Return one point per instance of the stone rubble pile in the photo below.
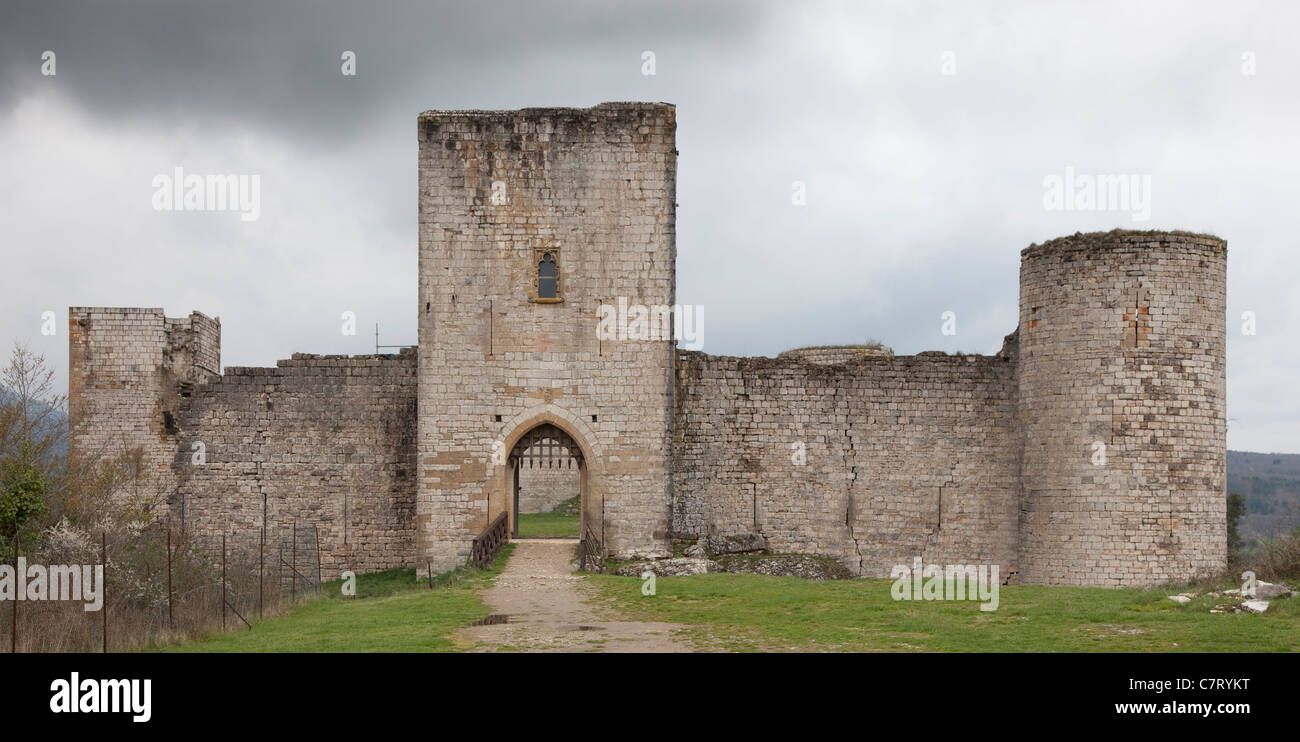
(739, 553)
(1255, 601)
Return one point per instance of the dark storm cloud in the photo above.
(921, 187)
(276, 64)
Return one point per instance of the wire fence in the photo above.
(124, 589)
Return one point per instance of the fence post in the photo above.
(103, 587)
(261, 560)
(223, 583)
(171, 622)
(316, 529)
(13, 637)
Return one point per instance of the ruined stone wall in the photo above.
(327, 442)
(1090, 451)
(829, 355)
(596, 188)
(194, 347)
(873, 462)
(129, 371)
(1122, 341)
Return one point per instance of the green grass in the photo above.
(743, 612)
(563, 522)
(392, 612)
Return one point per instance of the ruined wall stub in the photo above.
(130, 369)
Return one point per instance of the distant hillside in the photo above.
(54, 419)
(1271, 484)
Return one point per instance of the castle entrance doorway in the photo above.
(547, 488)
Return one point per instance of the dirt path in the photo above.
(551, 609)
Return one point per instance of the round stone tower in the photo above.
(831, 355)
(1122, 338)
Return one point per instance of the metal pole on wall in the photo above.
(103, 587)
(223, 583)
(514, 515)
(293, 568)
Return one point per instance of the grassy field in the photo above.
(392, 612)
(563, 522)
(746, 612)
(741, 612)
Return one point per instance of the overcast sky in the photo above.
(922, 132)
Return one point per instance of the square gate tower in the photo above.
(531, 221)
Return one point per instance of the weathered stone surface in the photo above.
(739, 543)
(1122, 342)
(1089, 451)
(542, 489)
(673, 567)
(1255, 606)
(807, 566)
(594, 188)
(1270, 590)
(829, 355)
(849, 460)
(128, 368)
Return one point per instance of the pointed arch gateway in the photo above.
(548, 454)
(551, 442)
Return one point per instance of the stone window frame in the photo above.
(538, 254)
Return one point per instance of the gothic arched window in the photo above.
(547, 277)
(547, 285)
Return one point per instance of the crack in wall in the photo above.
(850, 479)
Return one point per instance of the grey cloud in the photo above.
(922, 188)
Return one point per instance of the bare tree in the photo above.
(32, 415)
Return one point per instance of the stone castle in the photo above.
(1089, 451)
